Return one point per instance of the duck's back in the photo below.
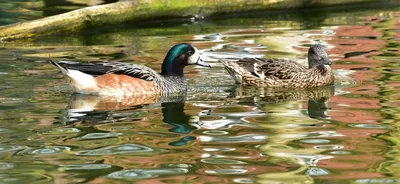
(273, 72)
(110, 78)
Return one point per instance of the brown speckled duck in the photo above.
(283, 73)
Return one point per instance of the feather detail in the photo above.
(101, 68)
(273, 72)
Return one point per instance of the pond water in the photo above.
(219, 132)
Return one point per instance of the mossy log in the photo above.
(141, 10)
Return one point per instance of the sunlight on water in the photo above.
(219, 132)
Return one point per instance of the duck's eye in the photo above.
(191, 52)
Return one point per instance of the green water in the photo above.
(219, 132)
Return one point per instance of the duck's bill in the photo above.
(202, 63)
(327, 61)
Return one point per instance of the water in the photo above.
(219, 132)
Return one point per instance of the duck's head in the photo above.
(317, 56)
(180, 56)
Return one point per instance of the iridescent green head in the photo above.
(180, 56)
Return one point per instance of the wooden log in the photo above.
(141, 10)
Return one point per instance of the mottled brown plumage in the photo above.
(283, 72)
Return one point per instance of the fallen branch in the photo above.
(140, 10)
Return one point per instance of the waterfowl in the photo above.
(122, 79)
(283, 73)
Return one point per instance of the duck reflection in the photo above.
(264, 97)
(173, 114)
(318, 108)
(106, 109)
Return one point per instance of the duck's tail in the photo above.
(63, 70)
(81, 82)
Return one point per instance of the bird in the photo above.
(123, 79)
(283, 73)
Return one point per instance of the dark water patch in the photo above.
(361, 68)
(392, 44)
(352, 54)
(358, 37)
(388, 54)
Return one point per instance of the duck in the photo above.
(283, 73)
(124, 79)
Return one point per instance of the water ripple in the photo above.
(218, 124)
(305, 159)
(221, 161)
(226, 171)
(119, 149)
(315, 171)
(44, 151)
(3, 130)
(146, 173)
(218, 149)
(235, 139)
(58, 131)
(8, 148)
(84, 167)
(372, 126)
(315, 141)
(216, 132)
(340, 152)
(244, 180)
(5, 165)
(99, 135)
(24, 178)
(329, 147)
(314, 134)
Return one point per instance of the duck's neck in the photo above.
(172, 84)
(324, 69)
(173, 66)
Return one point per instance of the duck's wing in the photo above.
(271, 67)
(101, 68)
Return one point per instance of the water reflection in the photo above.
(173, 114)
(317, 98)
(107, 109)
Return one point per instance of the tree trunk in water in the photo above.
(141, 10)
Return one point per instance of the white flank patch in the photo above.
(81, 82)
